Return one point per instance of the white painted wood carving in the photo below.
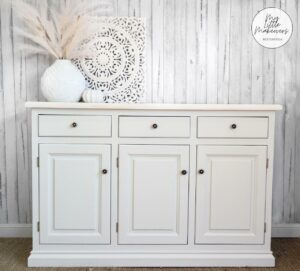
(117, 63)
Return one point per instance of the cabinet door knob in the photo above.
(154, 126)
(104, 171)
(183, 172)
(74, 124)
(201, 171)
(233, 126)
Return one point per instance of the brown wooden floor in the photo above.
(14, 253)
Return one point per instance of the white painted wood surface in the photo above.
(154, 126)
(156, 106)
(181, 43)
(232, 127)
(74, 194)
(65, 125)
(153, 194)
(233, 183)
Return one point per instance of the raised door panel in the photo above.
(74, 194)
(230, 200)
(153, 194)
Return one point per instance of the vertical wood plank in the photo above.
(180, 51)
(3, 199)
(268, 68)
(22, 165)
(235, 53)
(212, 52)
(201, 51)
(297, 123)
(257, 55)
(10, 117)
(157, 51)
(123, 7)
(134, 8)
(268, 76)
(146, 12)
(1, 65)
(246, 52)
(279, 96)
(169, 51)
(3, 179)
(109, 12)
(223, 52)
(289, 71)
(191, 43)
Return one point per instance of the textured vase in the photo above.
(62, 82)
(92, 96)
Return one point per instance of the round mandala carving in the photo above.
(117, 64)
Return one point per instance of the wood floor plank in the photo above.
(14, 253)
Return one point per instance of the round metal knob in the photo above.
(183, 172)
(74, 124)
(104, 171)
(154, 126)
(201, 171)
(233, 126)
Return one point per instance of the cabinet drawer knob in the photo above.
(104, 171)
(233, 126)
(183, 172)
(154, 126)
(74, 124)
(201, 171)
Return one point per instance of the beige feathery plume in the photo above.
(58, 31)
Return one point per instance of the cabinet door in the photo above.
(230, 200)
(153, 194)
(74, 194)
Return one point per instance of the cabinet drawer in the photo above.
(233, 127)
(154, 126)
(68, 125)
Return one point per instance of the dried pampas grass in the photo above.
(58, 31)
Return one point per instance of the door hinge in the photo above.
(38, 226)
(267, 163)
(117, 162)
(38, 161)
(265, 227)
(117, 227)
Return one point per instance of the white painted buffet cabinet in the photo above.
(151, 184)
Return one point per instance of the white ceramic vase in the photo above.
(62, 82)
(92, 96)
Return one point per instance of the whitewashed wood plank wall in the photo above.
(198, 51)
